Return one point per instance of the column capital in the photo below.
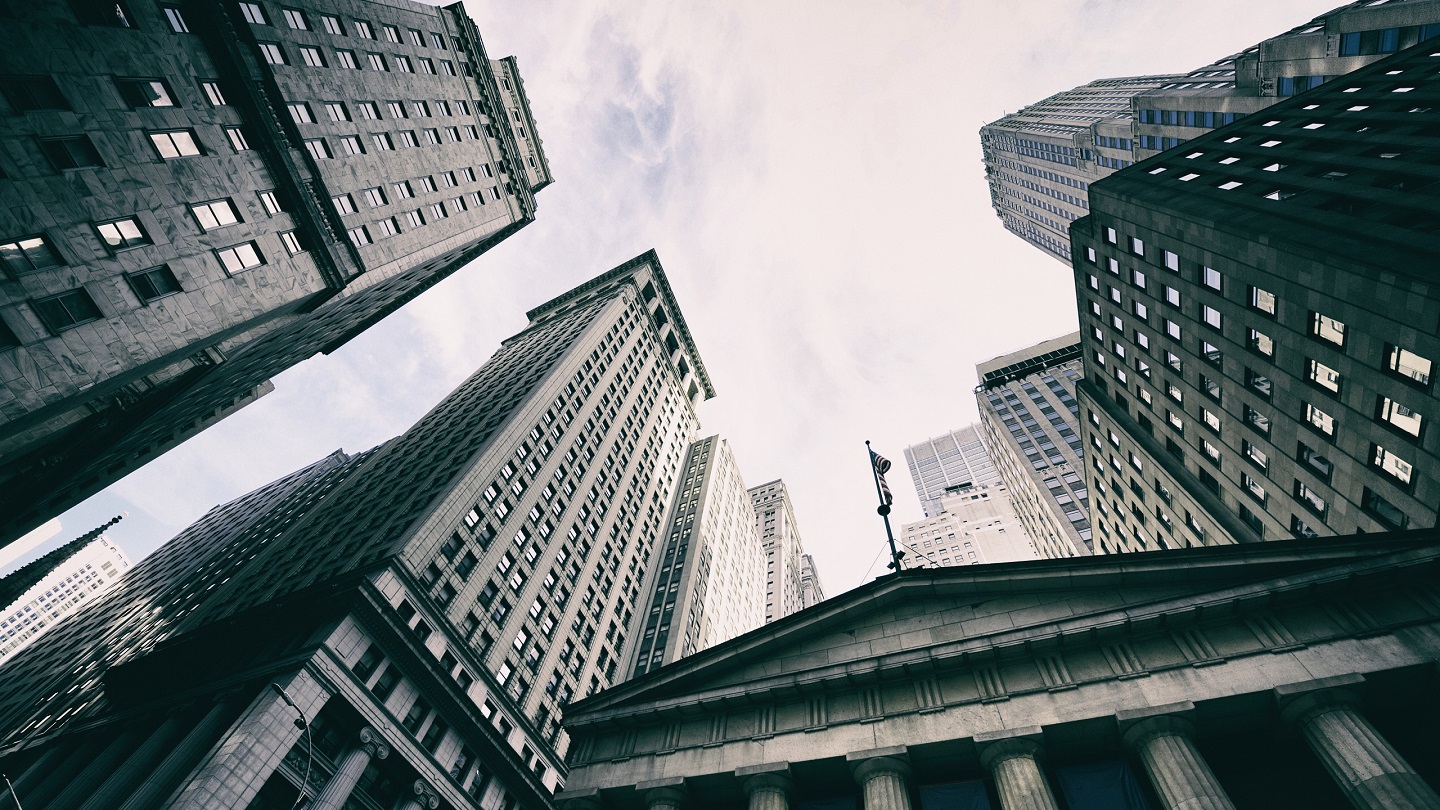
(998, 746)
(866, 764)
(669, 791)
(586, 799)
(1137, 733)
(424, 795)
(772, 777)
(373, 744)
(1298, 708)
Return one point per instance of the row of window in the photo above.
(1208, 119)
(301, 112)
(362, 235)
(274, 53)
(352, 145)
(299, 20)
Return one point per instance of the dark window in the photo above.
(67, 309)
(146, 92)
(32, 93)
(1383, 511)
(385, 684)
(415, 718)
(74, 152)
(368, 663)
(99, 12)
(8, 339)
(157, 282)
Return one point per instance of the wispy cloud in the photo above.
(810, 175)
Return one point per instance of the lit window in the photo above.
(213, 94)
(291, 241)
(1399, 416)
(176, 144)
(1172, 329)
(1323, 376)
(1261, 343)
(1211, 420)
(351, 145)
(377, 61)
(346, 60)
(319, 149)
(1211, 316)
(254, 14)
(272, 53)
(374, 196)
(1262, 301)
(296, 19)
(145, 92)
(312, 56)
(1407, 365)
(360, 236)
(28, 254)
(344, 203)
(122, 234)
(240, 257)
(1327, 329)
(1320, 420)
(1257, 456)
(333, 24)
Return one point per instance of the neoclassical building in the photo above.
(1286, 674)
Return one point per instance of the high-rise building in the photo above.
(40, 594)
(949, 463)
(974, 525)
(198, 196)
(784, 553)
(1041, 160)
(1032, 426)
(1258, 322)
(812, 592)
(427, 606)
(707, 580)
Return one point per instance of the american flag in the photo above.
(882, 466)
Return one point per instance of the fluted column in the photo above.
(768, 790)
(1166, 746)
(164, 777)
(883, 776)
(1371, 773)
(338, 789)
(1013, 760)
(421, 797)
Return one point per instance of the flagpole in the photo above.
(883, 509)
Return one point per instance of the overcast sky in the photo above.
(810, 175)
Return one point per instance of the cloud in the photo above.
(810, 175)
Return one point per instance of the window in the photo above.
(270, 203)
(1260, 343)
(176, 144)
(146, 92)
(360, 236)
(1211, 420)
(272, 53)
(1407, 365)
(1262, 301)
(1392, 465)
(336, 111)
(374, 196)
(333, 24)
(318, 149)
(1211, 451)
(1312, 499)
(28, 254)
(363, 30)
(422, 109)
(402, 64)
(1320, 420)
(437, 211)
(1383, 511)
(1323, 376)
(74, 152)
(1172, 296)
(254, 14)
(213, 94)
(244, 256)
(1398, 416)
(403, 190)
(377, 61)
(1258, 383)
(1172, 261)
(300, 113)
(1257, 420)
(291, 241)
(1172, 360)
(407, 138)
(157, 282)
(367, 110)
(416, 38)
(1253, 487)
(1255, 454)
(382, 141)
(296, 19)
(388, 227)
(27, 93)
(432, 136)
(312, 56)
(350, 145)
(427, 184)
(415, 219)
(427, 66)
(1317, 463)
(1210, 277)
(1211, 316)
(392, 34)
(60, 312)
(1172, 329)
(346, 60)
(1327, 329)
(344, 203)
(1211, 388)
(122, 234)
(236, 136)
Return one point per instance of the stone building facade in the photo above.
(1031, 423)
(1041, 160)
(426, 607)
(1287, 674)
(784, 553)
(1259, 327)
(944, 464)
(197, 196)
(974, 525)
(707, 579)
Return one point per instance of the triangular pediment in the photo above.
(919, 620)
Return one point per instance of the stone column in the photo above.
(1368, 770)
(421, 798)
(883, 774)
(1013, 759)
(664, 794)
(98, 773)
(1164, 741)
(163, 779)
(767, 786)
(347, 775)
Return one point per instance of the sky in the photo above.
(810, 176)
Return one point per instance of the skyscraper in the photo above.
(427, 606)
(197, 197)
(784, 553)
(707, 580)
(36, 596)
(1039, 455)
(1258, 322)
(1041, 160)
(973, 525)
(947, 463)
(812, 592)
